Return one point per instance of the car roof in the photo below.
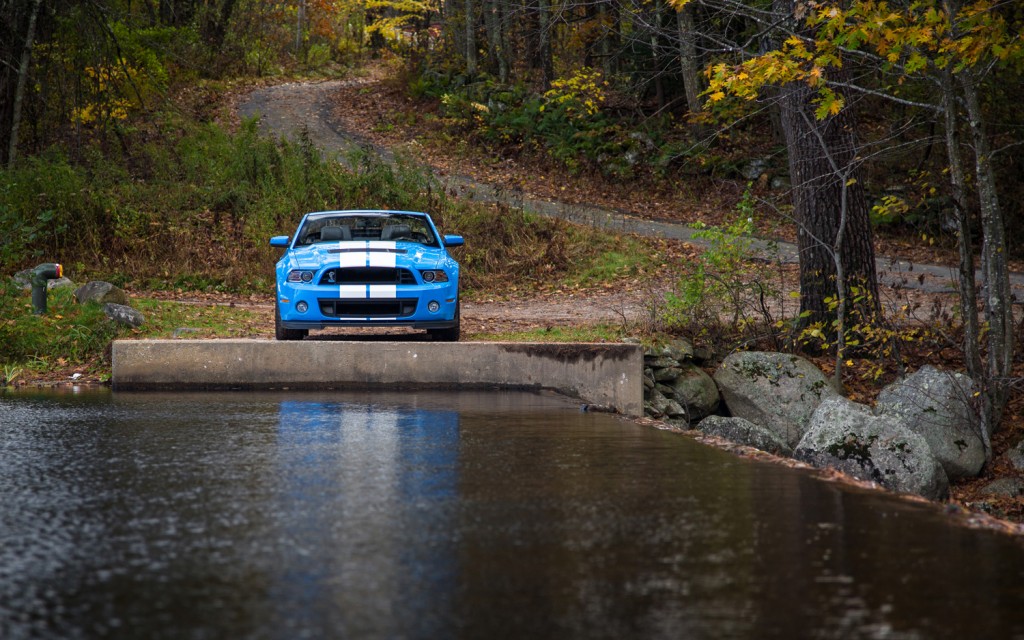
(361, 212)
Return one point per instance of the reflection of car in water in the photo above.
(367, 268)
(356, 479)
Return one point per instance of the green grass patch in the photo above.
(166, 319)
(628, 259)
(72, 335)
(589, 333)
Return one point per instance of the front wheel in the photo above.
(282, 333)
(450, 334)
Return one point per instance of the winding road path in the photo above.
(283, 110)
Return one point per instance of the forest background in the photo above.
(836, 123)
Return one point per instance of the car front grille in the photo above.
(367, 275)
(391, 308)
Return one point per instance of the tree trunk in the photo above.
(994, 267)
(544, 50)
(19, 91)
(610, 20)
(495, 24)
(655, 40)
(688, 62)
(968, 289)
(471, 61)
(825, 178)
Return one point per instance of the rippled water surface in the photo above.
(424, 515)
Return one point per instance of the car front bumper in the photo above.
(368, 306)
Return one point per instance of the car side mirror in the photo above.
(279, 241)
(453, 241)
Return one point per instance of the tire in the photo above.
(451, 334)
(280, 332)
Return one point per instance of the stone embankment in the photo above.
(922, 432)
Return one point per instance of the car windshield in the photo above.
(375, 226)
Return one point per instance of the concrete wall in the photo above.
(602, 374)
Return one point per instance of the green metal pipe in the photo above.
(40, 276)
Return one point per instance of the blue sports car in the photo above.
(367, 268)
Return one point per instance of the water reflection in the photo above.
(355, 479)
(453, 515)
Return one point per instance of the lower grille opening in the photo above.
(367, 275)
(367, 308)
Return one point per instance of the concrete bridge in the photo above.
(604, 375)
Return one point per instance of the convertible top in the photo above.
(362, 212)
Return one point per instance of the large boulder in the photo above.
(847, 436)
(101, 292)
(775, 390)
(745, 432)
(937, 406)
(695, 391)
(123, 315)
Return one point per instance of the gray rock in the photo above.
(775, 390)
(755, 168)
(656, 404)
(937, 405)
(667, 374)
(123, 315)
(695, 391)
(1009, 487)
(847, 436)
(102, 292)
(59, 283)
(669, 355)
(648, 379)
(1016, 456)
(23, 279)
(679, 349)
(665, 389)
(674, 410)
(745, 432)
(703, 354)
(660, 362)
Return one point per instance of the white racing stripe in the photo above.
(380, 258)
(351, 260)
(367, 258)
(352, 291)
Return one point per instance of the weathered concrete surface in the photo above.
(609, 375)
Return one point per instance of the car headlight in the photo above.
(297, 275)
(434, 275)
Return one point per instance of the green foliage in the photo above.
(318, 55)
(718, 281)
(46, 205)
(877, 341)
(74, 335)
(69, 334)
(566, 122)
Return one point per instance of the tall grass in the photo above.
(192, 205)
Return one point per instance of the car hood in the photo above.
(374, 253)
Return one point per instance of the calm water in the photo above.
(453, 515)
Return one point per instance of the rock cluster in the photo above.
(922, 432)
(676, 389)
(114, 300)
